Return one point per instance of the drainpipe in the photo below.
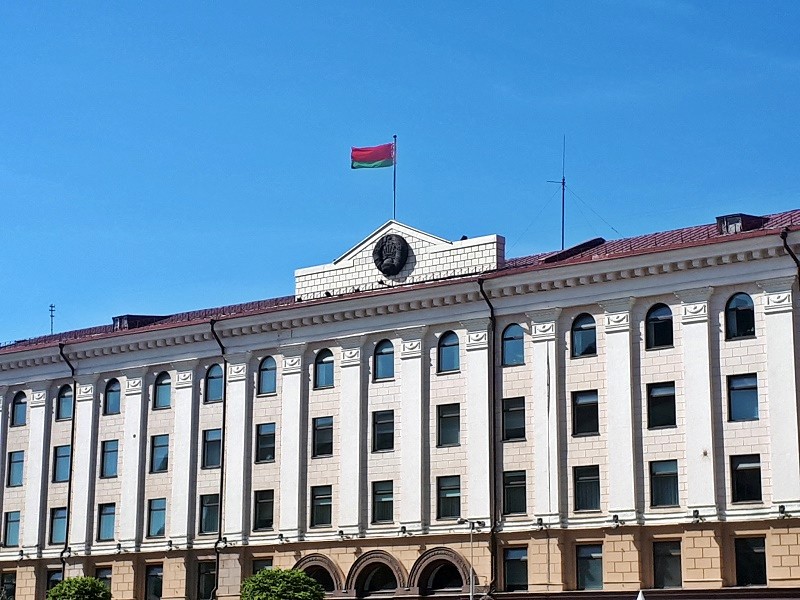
(492, 445)
(66, 552)
(221, 542)
(784, 235)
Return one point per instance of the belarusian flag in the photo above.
(372, 157)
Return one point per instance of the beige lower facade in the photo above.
(708, 564)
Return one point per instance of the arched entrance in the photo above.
(323, 570)
(376, 573)
(440, 571)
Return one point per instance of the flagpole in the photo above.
(394, 179)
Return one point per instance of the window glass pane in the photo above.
(61, 463)
(16, 468)
(751, 561)
(54, 577)
(661, 405)
(664, 483)
(159, 453)
(516, 569)
(448, 359)
(58, 525)
(157, 514)
(382, 430)
(667, 564)
(513, 346)
(448, 426)
(585, 419)
(214, 384)
(267, 380)
(264, 506)
(109, 458)
(384, 360)
(64, 403)
(740, 317)
(104, 575)
(261, 564)
(449, 496)
(584, 336)
(209, 513)
(163, 391)
(323, 369)
(658, 327)
(154, 577)
(106, 519)
(19, 409)
(321, 506)
(746, 476)
(212, 448)
(514, 500)
(382, 502)
(265, 442)
(742, 398)
(111, 404)
(587, 487)
(323, 436)
(8, 583)
(590, 567)
(513, 419)
(11, 530)
(206, 580)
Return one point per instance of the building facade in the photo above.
(429, 418)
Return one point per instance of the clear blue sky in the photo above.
(161, 157)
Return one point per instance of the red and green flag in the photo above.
(372, 157)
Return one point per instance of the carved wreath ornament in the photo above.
(390, 254)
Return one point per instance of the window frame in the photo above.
(740, 483)
(653, 399)
(324, 360)
(380, 503)
(153, 511)
(577, 414)
(105, 453)
(266, 435)
(266, 366)
(444, 419)
(11, 464)
(19, 405)
(206, 570)
(214, 374)
(7, 524)
(59, 514)
(733, 315)
(745, 543)
(112, 387)
(382, 418)
(153, 448)
(515, 560)
(581, 325)
(590, 560)
(515, 491)
(448, 347)
(512, 406)
(100, 518)
(208, 509)
(321, 500)
(654, 323)
(208, 447)
(659, 480)
(262, 499)
(512, 344)
(382, 356)
(58, 463)
(663, 554)
(318, 430)
(65, 402)
(162, 382)
(738, 395)
(153, 576)
(445, 484)
(584, 476)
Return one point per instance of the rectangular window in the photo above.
(106, 517)
(58, 525)
(585, 420)
(154, 581)
(111, 405)
(751, 561)
(382, 502)
(587, 487)
(104, 575)
(661, 405)
(16, 468)
(109, 458)
(322, 436)
(382, 430)
(61, 459)
(321, 506)
(746, 477)
(156, 517)
(664, 483)
(513, 419)
(743, 398)
(64, 405)
(54, 577)
(209, 513)
(514, 501)
(8, 584)
(261, 564)
(264, 502)
(159, 453)
(589, 559)
(515, 568)
(212, 448)
(448, 428)
(206, 580)
(448, 493)
(265, 442)
(667, 565)
(11, 530)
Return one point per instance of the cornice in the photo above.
(438, 294)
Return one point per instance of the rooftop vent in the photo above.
(125, 322)
(739, 222)
(574, 250)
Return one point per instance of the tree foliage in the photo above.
(281, 584)
(80, 588)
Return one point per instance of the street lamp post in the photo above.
(472, 526)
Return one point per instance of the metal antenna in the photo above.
(52, 317)
(563, 183)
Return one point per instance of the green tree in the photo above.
(281, 584)
(80, 588)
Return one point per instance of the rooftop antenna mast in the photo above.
(52, 317)
(563, 183)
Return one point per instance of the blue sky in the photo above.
(161, 157)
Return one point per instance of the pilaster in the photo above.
(237, 440)
(546, 437)
(36, 476)
(352, 432)
(83, 473)
(619, 399)
(292, 442)
(183, 463)
(133, 463)
(3, 441)
(699, 436)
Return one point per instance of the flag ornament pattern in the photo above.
(372, 157)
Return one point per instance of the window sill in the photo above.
(504, 366)
(661, 427)
(448, 445)
(13, 485)
(740, 338)
(162, 407)
(212, 401)
(654, 348)
(116, 414)
(583, 356)
(520, 439)
(321, 456)
(266, 394)
(108, 477)
(747, 502)
(321, 526)
(755, 420)
(199, 533)
(18, 425)
(264, 462)
(318, 388)
(587, 511)
(664, 506)
(584, 435)
(205, 468)
(263, 529)
(449, 519)
(383, 380)
(383, 451)
(159, 472)
(382, 523)
(454, 372)
(63, 419)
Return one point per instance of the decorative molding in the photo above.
(38, 398)
(543, 324)
(477, 340)
(85, 391)
(184, 379)
(617, 316)
(411, 349)
(779, 284)
(351, 357)
(237, 372)
(695, 295)
(777, 294)
(696, 312)
(292, 365)
(133, 386)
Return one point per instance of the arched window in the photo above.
(19, 409)
(378, 579)
(384, 360)
(111, 399)
(658, 324)
(322, 577)
(584, 336)
(267, 372)
(162, 397)
(323, 369)
(513, 346)
(448, 359)
(214, 384)
(740, 317)
(444, 577)
(64, 403)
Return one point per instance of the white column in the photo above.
(697, 394)
(352, 434)
(292, 437)
(619, 399)
(781, 349)
(237, 440)
(133, 463)
(543, 423)
(183, 457)
(36, 467)
(478, 417)
(414, 439)
(82, 515)
(3, 439)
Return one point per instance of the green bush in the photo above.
(80, 588)
(281, 584)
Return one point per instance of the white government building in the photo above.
(429, 418)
